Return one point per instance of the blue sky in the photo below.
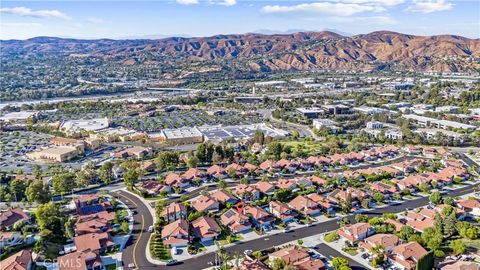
(132, 19)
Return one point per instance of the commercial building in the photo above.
(374, 125)
(19, 117)
(371, 110)
(74, 126)
(220, 133)
(55, 154)
(336, 109)
(183, 135)
(118, 134)
(325, 123)
(312, 112)
(432, 122)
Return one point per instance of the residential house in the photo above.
(266, 188)
(471, 206)
(383, 188)
(205, 204)
(267, 165)
(290, 255)
(406, 256)
(235, 221)
(356, 232)
(174, 211)
(206, 228)
(94, 223)
(217, 172)
(461, 265)
(303, 182)
(322, 202)
(90, 204)
(398, 225)
(152, 187)
(260, 218)
(10, 217)
(175, 180)
(247, 192)
(238, 169)
(386, 241)
(9, 239)
(251, 264)
(305, 205)
(148, 166)
(193, 174)
(223, 197)
(310, 264)
(420, 221)
(250, 168)
(21, 260)
(81, 260)
(287, 184)
(281, 211)
(176, 234)
(318, 181)
(94, 241)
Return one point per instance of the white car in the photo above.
(248, 252)
(150, 229)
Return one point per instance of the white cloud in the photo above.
(429, 6)
(95, 20)
(335, 9)
(365, 20)
(388, 3)
(228, 2)
(28, 12)
(187, 2)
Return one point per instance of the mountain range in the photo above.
(254, 52)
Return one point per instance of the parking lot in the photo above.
(177, 119)
(14, 146)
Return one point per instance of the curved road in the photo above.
(135, 251)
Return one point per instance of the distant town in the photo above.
(322, 170)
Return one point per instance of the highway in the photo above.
(135, 252)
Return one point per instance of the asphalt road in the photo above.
(132, 254)
(135, 248)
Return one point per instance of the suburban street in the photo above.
(136, 251)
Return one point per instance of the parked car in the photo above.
(171, 262)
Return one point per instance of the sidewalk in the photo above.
(337, 245)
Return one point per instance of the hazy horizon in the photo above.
(199, 18)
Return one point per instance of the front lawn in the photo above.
(352, 251)
(225, 240)
(158, 250)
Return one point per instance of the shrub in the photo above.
(333, 236)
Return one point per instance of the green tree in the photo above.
(70, 227)
(130, 177)
(405, 233)
(37, 192)
(17, 189)
(339, 263)
(282, 194)
(432, 238)
(435, 198)
(278, 264)
(192, 162)
(106, 172)
(222, 184)
(426, 262)
(378, 197)
(49, 218)
(124, 227)
(166, 159)
(457, 246)
(63, 182)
